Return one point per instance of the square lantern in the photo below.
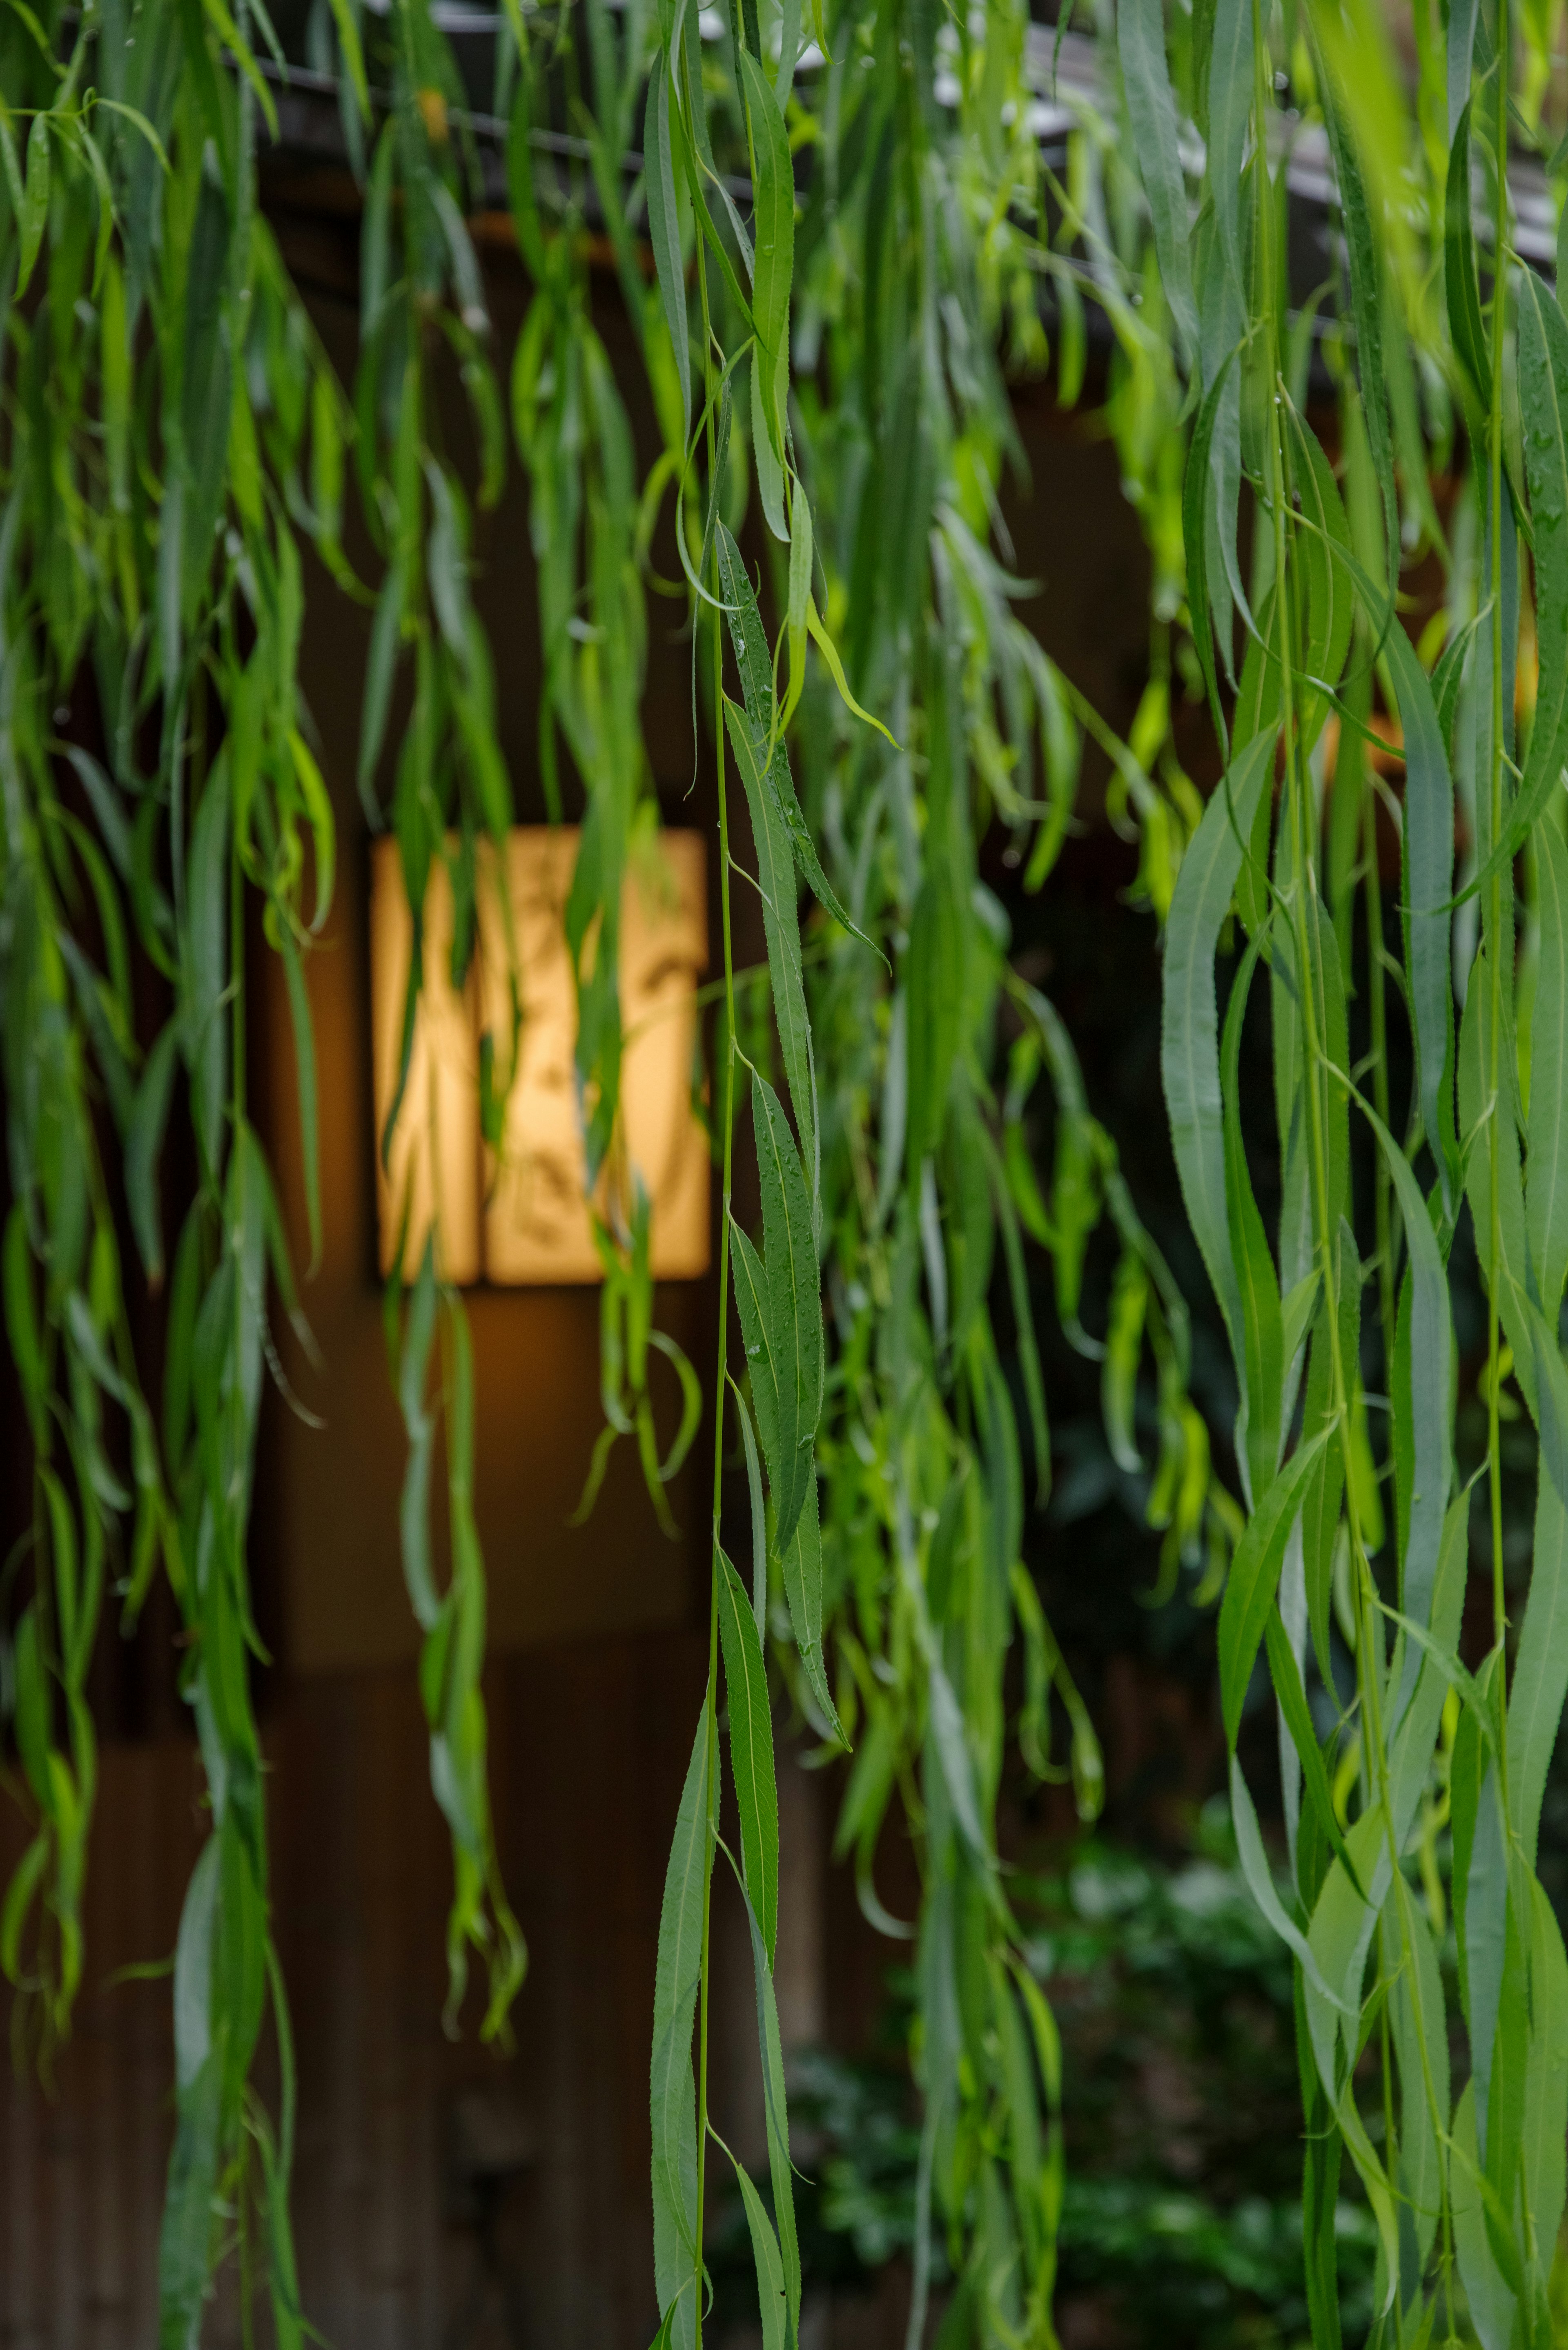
(518, 1214)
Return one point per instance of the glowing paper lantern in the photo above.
(518, 1214)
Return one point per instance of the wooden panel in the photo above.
(589, 1746)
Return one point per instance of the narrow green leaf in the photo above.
(955, 1757)
(1257, 1870)
(1546, 1188)
(770, 472)
(751, 1305)
(1366, 302)
(1022, 1308)
(1230, 118)
(1491, 2304)
(414, 1510)
(772, 2294)
(1543, 415)
(144, 1147)
(776, 2117)
(20, 1893)
(1541, 1674)
(1124, 1348)
(1330, 601)
(240, 49)
(759, 1515)
(772, 224)
(1460, 56)
(673, 2092)
(1254, 1578)
(781, 926)
(1488, 1131)
(664, 230)
(1459, 272)
(750, 640)
(1545, 2134)
(934, 1004)
(344, 18)
(1428, 858)
(800, 571)
(1285, 1674)
(1201, 594)
(1146, 77)
(34, 209)
(751, 1749)
(206, 967)
(829, 651)
(802, 1594)
(1189, 1020)
(1421, 2047)
(1432, 1351)
(305, 1084)
(385, 637)
(792, 1330)
(323, 828)
(1264, 1360)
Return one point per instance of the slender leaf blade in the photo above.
(751, 1750)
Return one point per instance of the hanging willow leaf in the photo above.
(144, 1147)
(1491, 2299)
(1459, 271)
(771, 2293)
(664, 226)
(34, 209)
(1140, 37)
(673, 2093)
(933, 992)
(1366, 302)
(1325, 540)
(751, 1305)
(1488, 1131)
(1264, 1358)
(759, 1514)
(1123, 1349)
(773, 229)
(1420, 2043)
(1203, 597)
(776, 2111)
(206, 1024)
(1546, 1193)
(1286, 1673)
(1189, 1055)
(1431, 1354)
(781, 925)
(1229, 90)
(1543, 414)
(751, 1751)
(1544, 2119)
(791, 1321)
(1429, 860)
(1254, 1578)
(1540, 1676)
(802, 1595)
(767, 755)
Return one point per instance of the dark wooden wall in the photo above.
(589, 1748)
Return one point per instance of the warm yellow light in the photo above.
(432, 1170)
(521, 1216)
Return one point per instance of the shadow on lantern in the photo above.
(519, 1214)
